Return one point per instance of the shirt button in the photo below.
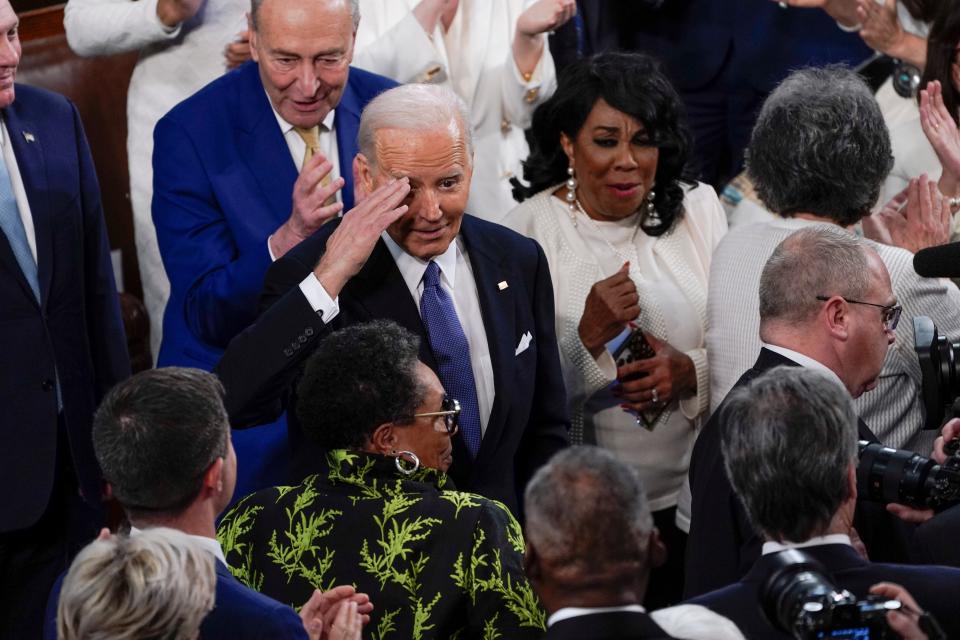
(287, 351)
(302, 339)
(532, 95)
(308, 331)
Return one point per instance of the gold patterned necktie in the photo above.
(311, 138)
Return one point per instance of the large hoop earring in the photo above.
(402, 463)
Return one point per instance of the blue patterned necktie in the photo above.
(452, 351)
(12, 227)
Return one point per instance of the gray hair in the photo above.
(156, 433)
(790, 438)
(156, 584)
(588, 518)
(822, 260)
(820, 145)
(417, 107)
(353, 4)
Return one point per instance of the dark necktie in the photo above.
(452, 352)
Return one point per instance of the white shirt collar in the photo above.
(771, 546)
(286, 127)
(210, 544)
(574, 612)
(805, 361)
(412, 268)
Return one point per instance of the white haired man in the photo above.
(478, 295)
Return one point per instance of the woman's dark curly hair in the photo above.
(359, 378)
(941, 52)
(631, 83)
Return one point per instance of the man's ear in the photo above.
(531, 563)
(836, 317)
(213, 476)
(384, 438)
(365, 175)
(656, 550)
(254, 50)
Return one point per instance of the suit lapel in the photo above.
(32, 168)
(346, 123)
(264, 150)
(497, 309)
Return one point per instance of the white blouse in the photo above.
(670, 272)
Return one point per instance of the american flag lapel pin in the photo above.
(28, 136)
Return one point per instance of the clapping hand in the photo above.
(916, 218)
(881, 28)
(940, 128)
(338, 614)
(545, 15)
(238, 51)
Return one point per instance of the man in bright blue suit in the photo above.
(61, 345)
(177, 414)
(228, 199)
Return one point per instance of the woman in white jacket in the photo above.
(181, 44)
(493, 53)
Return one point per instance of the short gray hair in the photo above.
(820, 145)
(588, 518)
(156, 433)
(822, 260)
(156, 584)
(353, 4)
(417, 107)
(790, 438)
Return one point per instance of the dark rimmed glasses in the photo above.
(450, 410)
(889, 314)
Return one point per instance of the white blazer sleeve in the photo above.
(102, 27)
(402, 51)
(521, 97)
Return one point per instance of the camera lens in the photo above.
(896, 475)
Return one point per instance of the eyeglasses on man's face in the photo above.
(450, 411)
(889, 314)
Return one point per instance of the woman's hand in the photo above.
(670, 373)
(916, 218)
(940, 128)
(545, 15)
(881, 29)
(611, 304)
(238, 51)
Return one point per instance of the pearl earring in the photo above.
(652, 217)
(571, 196)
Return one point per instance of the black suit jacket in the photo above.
(529, 418)
(74, 334)
(616, 625)
(936, 589)
(723, 544)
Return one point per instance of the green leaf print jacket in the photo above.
(437, 563)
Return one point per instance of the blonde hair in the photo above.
(155, 585)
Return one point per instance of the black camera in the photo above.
(939, 360)
(898, 475)
(800, 598)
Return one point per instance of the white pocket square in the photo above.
(525, 340)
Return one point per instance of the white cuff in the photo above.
(852, 29)
(273, 258)
(165, 31)
(537, 73)
(318, 298)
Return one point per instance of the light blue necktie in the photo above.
(12, 227)
(452, 351)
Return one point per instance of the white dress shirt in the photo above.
(805, 361)
(690, 621)
(456, 278)
(772, 546)
(207, 544)
(326, 136)
(16, 183)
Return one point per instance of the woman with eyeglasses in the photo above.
(379, 512)
(629, 242)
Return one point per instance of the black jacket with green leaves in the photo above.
(436, 562)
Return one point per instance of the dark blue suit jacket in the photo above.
(239, 612)
(75, 333)
(723, 544)
(223, 179)
(529, 418)
(758, 40)
(615, 625)
(936, 589)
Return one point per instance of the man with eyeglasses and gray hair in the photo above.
(825, 304)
